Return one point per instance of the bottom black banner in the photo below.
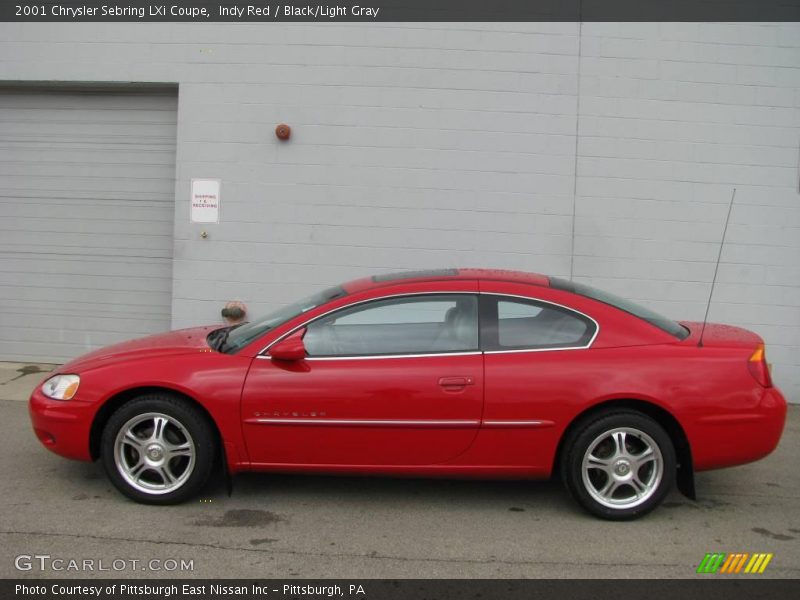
(411, 589)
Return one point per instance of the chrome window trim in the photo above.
(346, 306)
(567, 308)
(588, 345)
(383, 356)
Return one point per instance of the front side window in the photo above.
(428, 324)
(526, 324)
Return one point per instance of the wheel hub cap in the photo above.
(155, 453)
(622, 468)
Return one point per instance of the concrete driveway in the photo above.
(297, 526)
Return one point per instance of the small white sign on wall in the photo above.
(205, 200)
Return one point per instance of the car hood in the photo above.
(181, 341)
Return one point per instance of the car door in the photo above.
(391, 381)
(536, 371)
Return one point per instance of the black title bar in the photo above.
(712, 587)
(399, 10)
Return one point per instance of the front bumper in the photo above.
(62, 426)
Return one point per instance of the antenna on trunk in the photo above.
(716, 269)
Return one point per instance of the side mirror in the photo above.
(290, 348)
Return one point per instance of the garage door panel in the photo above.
(60, 195)
(86, 220)
(55, 253)
(18, 269)
(99, 103)
(15, 264)
(67, 308)
(59, 147)
(96, 186)
(105, 186)
(47, 154)
(128, 241)
(43, 329)
(147, 299)
(64, 208)
(31, 114)
(90, 224)
(61, 131)
(64, 280)
(78, 171)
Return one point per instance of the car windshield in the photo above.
(663, 323)
(237, 337)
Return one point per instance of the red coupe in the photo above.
(453, 373)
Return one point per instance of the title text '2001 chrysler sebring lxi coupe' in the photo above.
(453, 373)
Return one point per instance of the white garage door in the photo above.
(86, 219)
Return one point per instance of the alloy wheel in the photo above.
(622, 468)
(154, 453)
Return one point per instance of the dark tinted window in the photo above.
(663, 323)
(524, 324)
(411, 325)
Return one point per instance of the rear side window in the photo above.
(518, 324)
(428, 324)
(663, 323)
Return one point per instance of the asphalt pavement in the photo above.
(281, 526)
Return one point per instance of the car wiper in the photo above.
(222, 340)
(213, 337)
(218, 337)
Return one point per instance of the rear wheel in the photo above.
(158, 449)
(620, 465)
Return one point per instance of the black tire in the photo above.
(637, 483)
(185, 451)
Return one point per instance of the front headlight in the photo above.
(61, 387)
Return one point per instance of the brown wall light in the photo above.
(283, 131)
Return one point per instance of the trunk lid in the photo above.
(721, 336)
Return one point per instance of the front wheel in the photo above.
(620, 465)
(158, 449)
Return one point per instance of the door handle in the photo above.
(456, 382)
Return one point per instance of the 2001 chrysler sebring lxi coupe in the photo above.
(440, 373)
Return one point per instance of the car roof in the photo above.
(402, 277)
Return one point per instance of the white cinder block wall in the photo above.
(672, 118)
(418, 145)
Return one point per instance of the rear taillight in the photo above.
(757, 363)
